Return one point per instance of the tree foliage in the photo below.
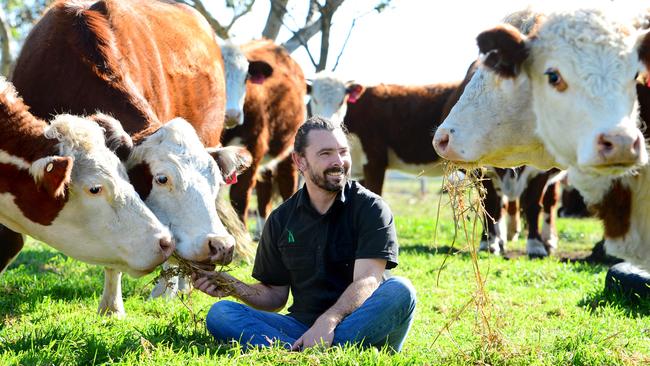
(18, 16)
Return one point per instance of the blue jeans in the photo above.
(383, 319)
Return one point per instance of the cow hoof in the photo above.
(116, 312)
(536, 249)
(551, 244)
(493, 246)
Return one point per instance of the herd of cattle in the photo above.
(160, 118)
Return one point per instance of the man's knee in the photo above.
(221, 315)
(401, 290)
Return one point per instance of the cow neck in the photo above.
(615, 209)
(22, 133)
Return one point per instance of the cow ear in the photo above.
(258, 71)
(116, 138)
(643, 45)
(232, 161)
(52, 173)
(354, 91)
(504, 49)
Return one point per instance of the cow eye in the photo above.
(96, 189)
(555, 79)
(161, 179)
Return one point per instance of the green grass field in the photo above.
(540, 312)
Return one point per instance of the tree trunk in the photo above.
(5, 55)
(274, 21)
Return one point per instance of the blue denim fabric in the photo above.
(383, 319)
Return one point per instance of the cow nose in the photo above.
(221, 248)
(233, 118)
(618, 148)
(441, 142)
(167, 246)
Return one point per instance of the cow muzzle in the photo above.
(234, 118)
(442, 143)
(221, 248)
(622, 150)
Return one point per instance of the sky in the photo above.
(412, 42)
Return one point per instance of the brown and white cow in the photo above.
(263, 79)
(60, 183)
(144, 62)
(570, 81)
(560, 101)
(390, 127)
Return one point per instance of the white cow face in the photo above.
(492, 123)
(103, 220)
(582, 68)
(180, 180)
(238, 69)
(329, 96)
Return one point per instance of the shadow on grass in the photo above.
(76, 346)
(433, 250)
(632, 306)
(29, 279)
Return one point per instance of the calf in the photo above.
(108, 55)
(607, 88)
(272, 97)
(59, 183)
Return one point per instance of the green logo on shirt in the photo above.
(290, 238)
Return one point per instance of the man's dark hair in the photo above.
(313, 123)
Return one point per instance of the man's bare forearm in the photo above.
(258, 295)
(350, 300)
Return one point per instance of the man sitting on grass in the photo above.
(330, 244)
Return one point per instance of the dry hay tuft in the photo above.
(465, 197)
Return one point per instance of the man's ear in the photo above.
(232, 161)
(298, 161)
(354, 91)
(503, 49)
(52, 173)
(117, 140)
(259, 71)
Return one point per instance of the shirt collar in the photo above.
(303, 196)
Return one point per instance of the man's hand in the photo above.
(321, 333)
(205, 282)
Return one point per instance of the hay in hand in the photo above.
(183, 267)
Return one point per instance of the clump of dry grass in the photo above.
(185, 268)
(467, 206)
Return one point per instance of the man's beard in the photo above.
(321, 179)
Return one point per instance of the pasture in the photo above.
(539, 312)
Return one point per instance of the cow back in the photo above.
(141, 61)
(402, 118)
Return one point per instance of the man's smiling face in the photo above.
(327, 159)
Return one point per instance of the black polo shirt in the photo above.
(314, 254)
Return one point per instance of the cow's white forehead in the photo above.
(177, 147)
(596, 47)
(327, 88)
(94, 163)
(233, 58)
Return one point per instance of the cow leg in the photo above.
(264, 191)
(514, 220)
(240, 192)
(12, 243)
(287, 178)
(166, 288)
(374, 172)
(111, 303)
(492, 203)
(549, 229)
(531, 202)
